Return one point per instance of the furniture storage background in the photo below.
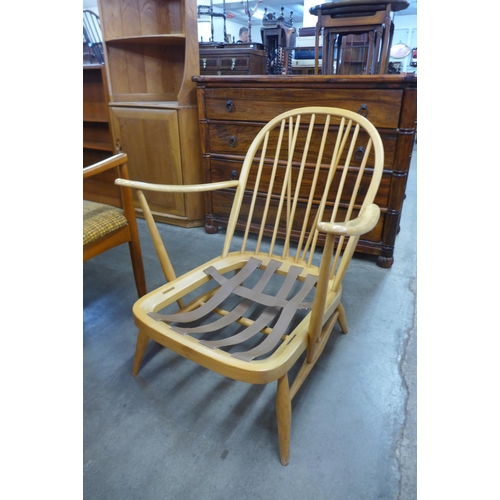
(151, 51)
(233, 109)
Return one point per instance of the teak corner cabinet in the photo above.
(151, 54)
(233, 109)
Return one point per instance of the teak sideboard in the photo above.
(232, 110)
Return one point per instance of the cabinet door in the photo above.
(150, 138)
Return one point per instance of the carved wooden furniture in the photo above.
(358, 30)
(278, 36)
(248, 60)
(233, 109)
(106, 222)
(254, 324)
(151, 49)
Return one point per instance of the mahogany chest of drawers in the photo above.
(233, 109)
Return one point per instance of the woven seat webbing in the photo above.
(222, 294)
(275, 306)
(261, 322)
(239, 310)
(255, 294)
(266, 316)
(284, 320)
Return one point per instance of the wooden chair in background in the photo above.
(233, 319)
(109, 217)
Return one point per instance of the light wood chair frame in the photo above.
(127, 234)
(340, 238)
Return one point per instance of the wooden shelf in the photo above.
(97, 139)
(99, 146)
(174, 39)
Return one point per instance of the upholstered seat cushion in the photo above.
(99, 220)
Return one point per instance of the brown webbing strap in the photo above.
(255, 294)
(239, 310)
(264, 319)
(284, 320)
(261, 322)
(222, 293)
(275, 305)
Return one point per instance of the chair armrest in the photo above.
(168, 188)
(362, 224)
(104, 165)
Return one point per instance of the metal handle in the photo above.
(360, 152)
(204, 63)
(234, 175)
(229, 106)
(233, 60)
(233, 141)
(118, 146)
(363, 110)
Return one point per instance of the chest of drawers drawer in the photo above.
(234, 138)
(379, 106)
(222, 203)
(224, 169)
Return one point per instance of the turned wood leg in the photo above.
(342, 319)
(385, 262)
(140, 349)
(284, 416)
(210, 227)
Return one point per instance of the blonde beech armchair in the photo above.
(319, 170)
(107, 225)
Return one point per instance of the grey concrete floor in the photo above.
(178, 431)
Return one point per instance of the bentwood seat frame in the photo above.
(344, 166)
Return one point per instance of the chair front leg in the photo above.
(284, 417)
(140, 349)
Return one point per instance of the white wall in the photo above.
(405, 31)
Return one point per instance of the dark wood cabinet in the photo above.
(233, 61)
(232, 110)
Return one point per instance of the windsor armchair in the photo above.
(240, 323)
